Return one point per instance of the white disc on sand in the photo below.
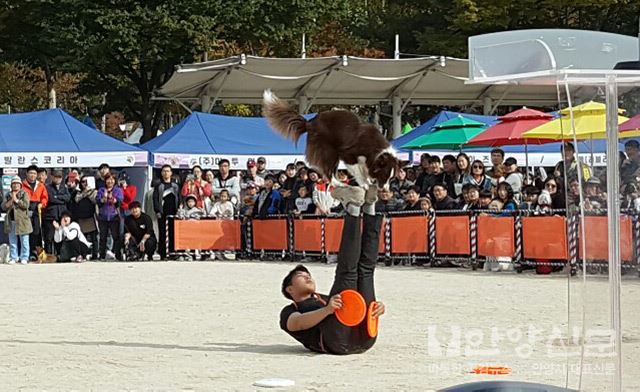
(274, 383)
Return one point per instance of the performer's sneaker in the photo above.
(349, 195)
(371, 195)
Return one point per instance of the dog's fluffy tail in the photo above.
(282, 117)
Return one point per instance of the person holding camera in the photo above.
(109, 200)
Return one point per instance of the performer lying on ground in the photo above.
(310, 318)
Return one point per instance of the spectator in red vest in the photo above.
(38, 200)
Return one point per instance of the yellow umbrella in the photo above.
(589, 120)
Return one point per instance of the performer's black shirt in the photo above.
(310, 338)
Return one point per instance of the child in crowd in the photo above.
(304, 203)
(223, 208)
(530, 198)
(544, 203)
(425, 204)
(190, 210)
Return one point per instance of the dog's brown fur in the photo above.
(333, 136)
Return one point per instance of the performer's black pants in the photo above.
(356, 264)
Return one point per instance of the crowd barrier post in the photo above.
(292, 249)
(518, 255)
(387, 240)
(572, 235)
(248, 238)
(432, 237)
(473, 227)
(166, 234)
(636, 250)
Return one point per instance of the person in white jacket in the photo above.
(224, 180)
(223, 208)
(73, 244)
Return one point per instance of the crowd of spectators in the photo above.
(85, 215)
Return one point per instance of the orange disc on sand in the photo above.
(372, 323)
(353, 308)
(494, 370)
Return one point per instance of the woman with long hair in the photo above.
(552, 185)
(478, 176)
(505, 193)
(463, 169)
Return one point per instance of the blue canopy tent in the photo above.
(203, 139)
(53, 138)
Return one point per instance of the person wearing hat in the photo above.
(261, 165)
(513, 177)
(190, 210)
(38, 199)
(59, 197)
(70, 239)
(593, 198)
(17, 224)
(250, 177)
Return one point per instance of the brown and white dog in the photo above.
(335, 136)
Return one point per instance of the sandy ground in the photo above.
(213, 326)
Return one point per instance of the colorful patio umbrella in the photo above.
(450, 135)
(510, 128)
(633, 124)
(589, 119)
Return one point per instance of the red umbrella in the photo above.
(510, 129)
(631, 124)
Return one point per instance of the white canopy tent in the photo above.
(431, 80)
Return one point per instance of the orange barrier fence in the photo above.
(207, 234)
(597, 242)
(469, 237)
(545, 237)
(496, 236)
(452, 235)
(409, 234)
(270, 234)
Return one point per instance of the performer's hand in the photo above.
(379, 310)
(335, 303)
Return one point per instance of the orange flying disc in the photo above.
(372, 323)
(494, 370)
(353, 308)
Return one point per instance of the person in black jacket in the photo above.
(139, 238)
(268, 201)
(166, 197)
(443, 200)
(413, 200)
(83, 211)
(58, 199)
